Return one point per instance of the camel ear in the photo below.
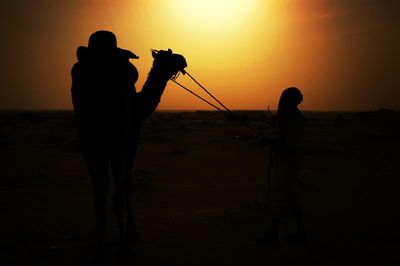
(169, 51)
(154, 53)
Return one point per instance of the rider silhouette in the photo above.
(103, 96)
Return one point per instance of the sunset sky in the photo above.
(342, 54)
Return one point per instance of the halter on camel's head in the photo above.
(169, 62)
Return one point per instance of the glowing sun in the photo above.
(213, 14)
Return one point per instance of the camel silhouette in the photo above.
(108, 113)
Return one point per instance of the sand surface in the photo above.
(201, 192)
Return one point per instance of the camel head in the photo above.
(168, 63)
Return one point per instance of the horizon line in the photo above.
(195, 110)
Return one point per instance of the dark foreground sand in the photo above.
(201, 194)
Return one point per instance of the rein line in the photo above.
(227, 111)
(198, 96)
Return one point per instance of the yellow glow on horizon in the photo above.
(244, 51)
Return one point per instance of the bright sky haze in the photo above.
(343, 55)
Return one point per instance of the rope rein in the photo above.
(212, 96)
(198, 96)
(227, 111)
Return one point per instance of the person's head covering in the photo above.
(104, 42)
(290, 98)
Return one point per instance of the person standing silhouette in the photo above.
(288, 163)
(103, 92)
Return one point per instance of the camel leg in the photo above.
(119, 202)
(98, 171)
(131, 228)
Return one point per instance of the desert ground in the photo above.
(200, 191)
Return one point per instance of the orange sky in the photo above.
(342, 54)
